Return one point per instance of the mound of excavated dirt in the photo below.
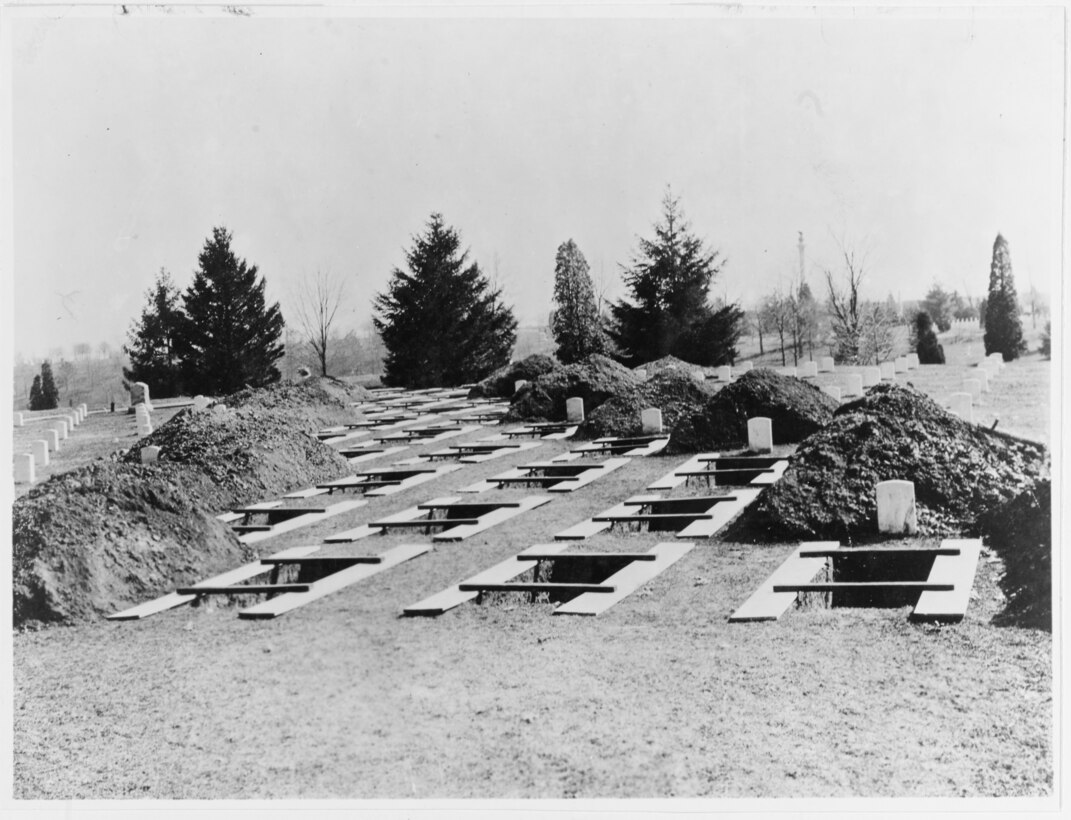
(595, 380)
(676, 393)
(795, 408)
(499, 385)
(959, 470)
(98, 539)
(668, 363)
(1020, 532)
(314, 403)
(107, 536)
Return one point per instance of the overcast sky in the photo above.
(324, 143)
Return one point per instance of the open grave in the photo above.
(335, 573)
(425, 435)
(724, 471)
(387, 480)
(452, 519)
(473, 452)
(688, 516)
(256, 522)
(936, 581)
(555, 476)
(547, 430)
(607, 578)
(624, 445)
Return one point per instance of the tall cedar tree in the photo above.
(668, 279)
(927, 347)
(154, 341)
(230, 338)
(1003, 325)
(441, 322)
(575, 323)
(48, 396)
(36, 400)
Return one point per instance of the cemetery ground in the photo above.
(660, 696)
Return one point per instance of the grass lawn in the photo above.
(659, 697)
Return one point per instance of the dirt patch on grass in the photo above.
(795, 408)
(675, 392)
(116, 532)
(1020, 532)
(959, 471)
(595, 380)
(500, 384)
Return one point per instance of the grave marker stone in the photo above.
(888, 372)
(40, 452)
(723, 374)
(808, 370)
(641, 374)
(825, 364)
(833, 390)
(200, 402)
(788, 371)
(900, 364)
(60, 427)
(912, 361)
(651, 420)
(760, 434)
(150, 454)
(574, 409)
(18, 420)
(853, 385)
(52, 437)
(520, 383)
(746, 367)
(139, 394)
(219, 409)
(960, 404)
(871, 376)
(24, 468)
(896, 507)
(144, 429)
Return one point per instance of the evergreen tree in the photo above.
(939, 305)
(711, 340)
(154, 341)
(49, 391)
(230, 336)
(37, 401)
(575, 322)
(668, 280)
(441, 322)
(925, 340)
(1003, 325)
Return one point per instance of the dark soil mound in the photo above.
(314, 403)
(499, 385)
(669, 363)
(595, 380)
(1020, 532)
(676, 393)
(107, 536)
(893, 432)
(795, 408)
(249, 453)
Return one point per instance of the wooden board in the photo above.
(721, 514)
(586, 529)
(767, 605)
(957, 570)
(302, 521)
(499, 573)
(492, 483)
(567, 485)
(491, 519)
(227, 517)
(412, 481)
(309, 492)
(626, 581)
(672, 479)
(334, 582)
(234, 576)
(360, 459)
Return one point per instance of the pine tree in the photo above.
(49, 391)
(710, 341)
(441, 322)
(230, 336)
(36, 399)
(925, 340)
(668, 280)
(1003, 325)
(575, 322)
(939, 304)
(154, 341)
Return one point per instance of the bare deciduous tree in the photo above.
(315, 306)
(863, 331)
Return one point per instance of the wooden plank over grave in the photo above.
(234, 576)
(502, 513)
(454, 596)
(627, 580)
(558, 476)
(638, 446)
(957, 570)
(335, 581)
(767, 605)
(304, 520)
(600, 522)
